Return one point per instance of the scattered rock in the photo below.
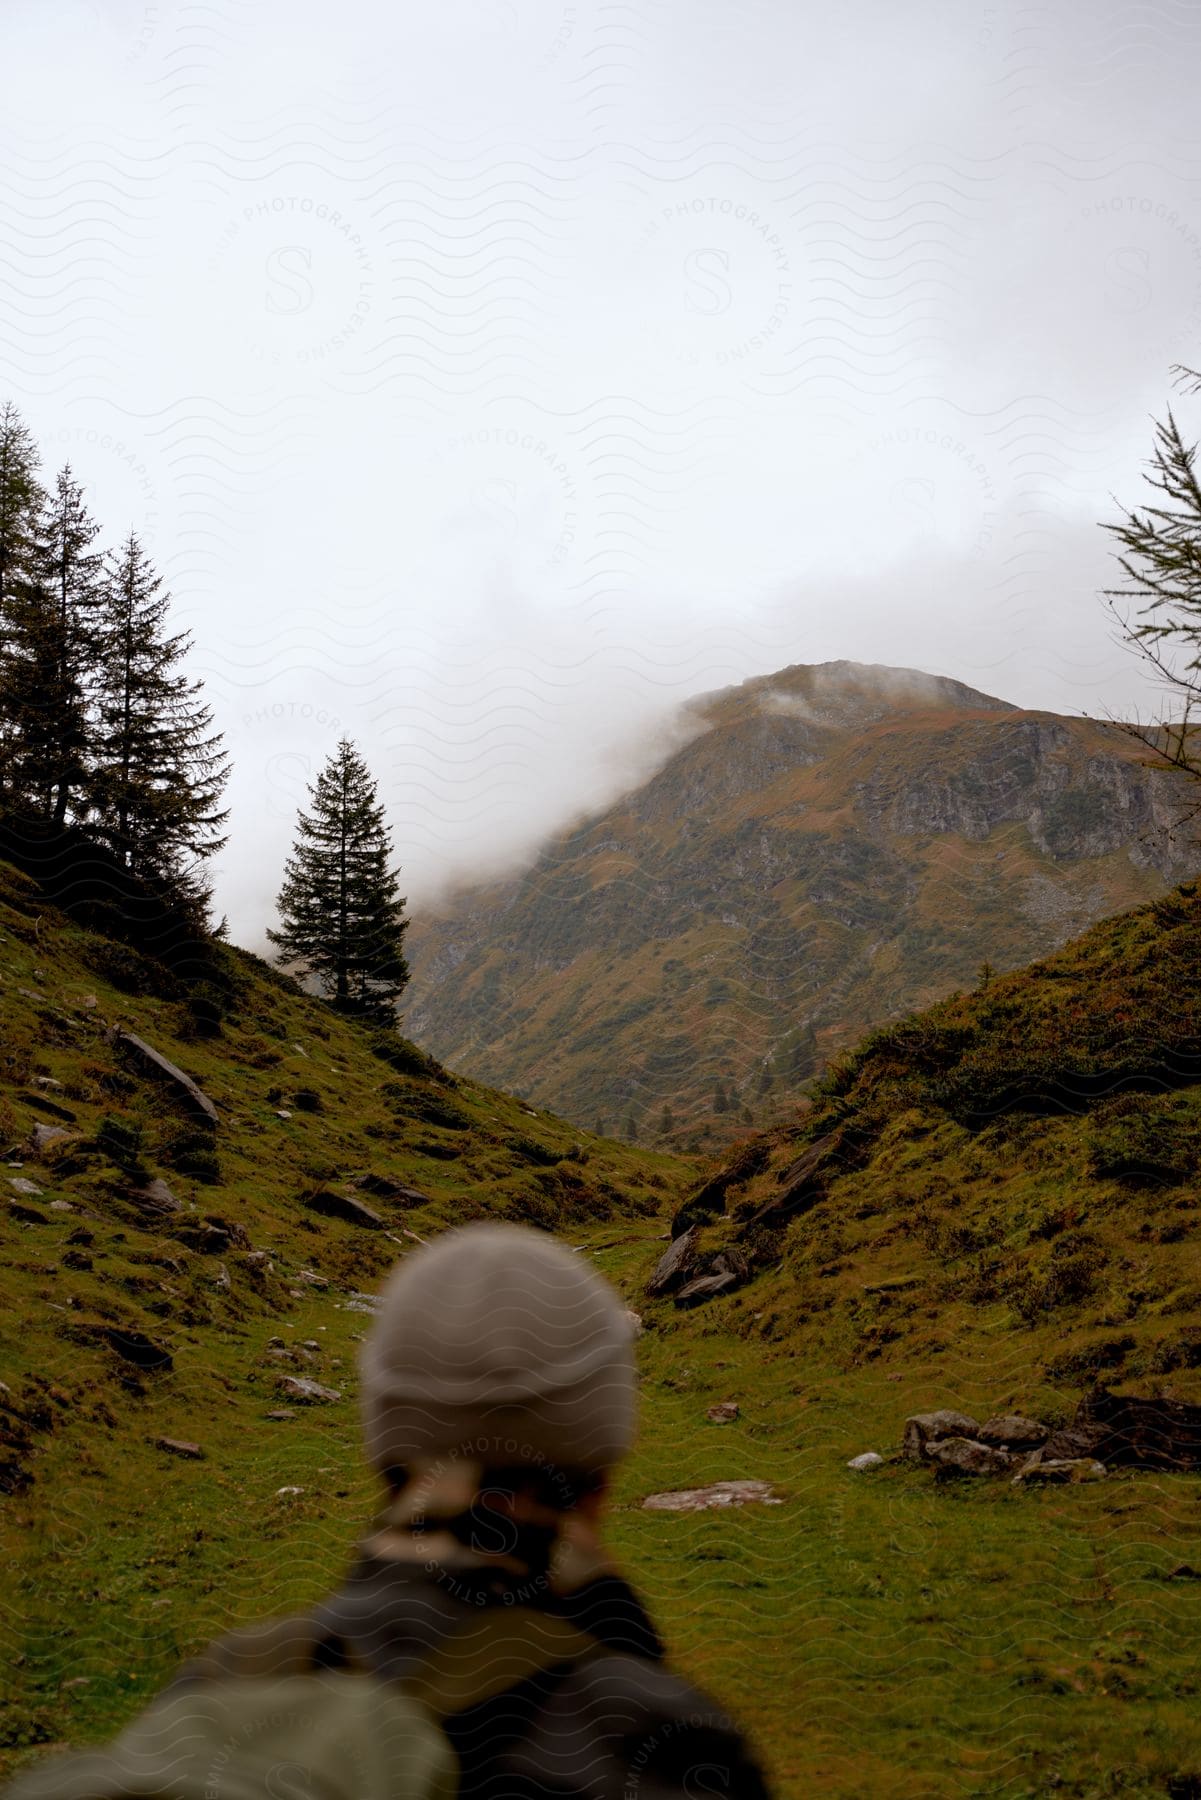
(28, 1215)
(1078, 1468)
(724, 1413)
(924, 1429)
(156, 1197)
(178, 1447)
(635, 1322)
(340, 1206)
(1010, 1431)
(155, 1063)
(365, 1302)
(61, 1206)
(732, 1261)
(718, 1494)
(77, 1259)
(279, 1492)
(706, 1287)
(674, 1266)
(20, 1185)
(282, 1113)
(211, 1235)
(317, 1281)
(55, 1110)
(88, 1002)
(311, 1393)
(281, 1412)
(1183, 1572)
(81, 1235)
(871, 1459)
(386, 1187)
(138, 1349)
(897, 1284)
(42, 1136)
(221, 1278)
(48, 1081)
(966, 1456)
(1072, 1443)
(309, 1344)
(804, 1183)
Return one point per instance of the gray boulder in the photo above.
(925, 1429)
(42, 1136)
(1074, 1443)
(732, 1261)
(309, 1393)
(966, 1456)
(1038, 1469)
(1011, 1431)
(386, 1187)
(706, 1287)
(724, 1413)
(674, 1266)
(179, 1447)
(155, 1197)
(333, 1205)
(871, 1459)
(718, 1494)
(155, 1063)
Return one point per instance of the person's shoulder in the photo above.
(674, 1737)
(268, 1647)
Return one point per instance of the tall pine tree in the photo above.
(159, 769)
(52, 654)
(341, 918)
(21, 503)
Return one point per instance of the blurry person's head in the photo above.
(497, 1380)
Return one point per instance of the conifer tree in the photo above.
(159, 769)
(1159, 553)
(21, 503)
(341, 918)
(62, 639)
(50, 602)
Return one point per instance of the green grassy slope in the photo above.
(879, 1634)
(835, 847)
(120, 1554)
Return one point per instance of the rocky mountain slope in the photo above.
(835, 846)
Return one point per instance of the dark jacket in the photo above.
(616, 1725)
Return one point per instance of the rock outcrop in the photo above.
(153, 1062)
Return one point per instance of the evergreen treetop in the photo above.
(342, 919)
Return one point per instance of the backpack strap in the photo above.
(494, 1651)
(493, 1654)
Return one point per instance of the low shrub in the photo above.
(407, 1059)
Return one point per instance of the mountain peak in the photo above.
(843, 692)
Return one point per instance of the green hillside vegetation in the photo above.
(1014, 1173)
(122, 1324)
(836, 846)
(962, 1240)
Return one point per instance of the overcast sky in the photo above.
(489, 377)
